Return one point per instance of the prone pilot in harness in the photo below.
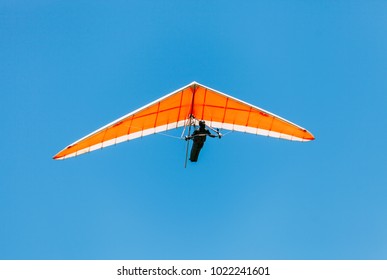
(199, 137)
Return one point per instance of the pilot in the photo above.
(199, 137)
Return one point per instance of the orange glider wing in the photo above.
(174, 110)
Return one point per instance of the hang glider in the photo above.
(186, 106)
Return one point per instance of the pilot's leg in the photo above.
(194, 152)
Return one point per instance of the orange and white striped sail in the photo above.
(174, 110)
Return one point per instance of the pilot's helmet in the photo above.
(202, 124)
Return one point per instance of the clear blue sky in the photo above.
(70, 67)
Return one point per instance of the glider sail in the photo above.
(175, 109)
